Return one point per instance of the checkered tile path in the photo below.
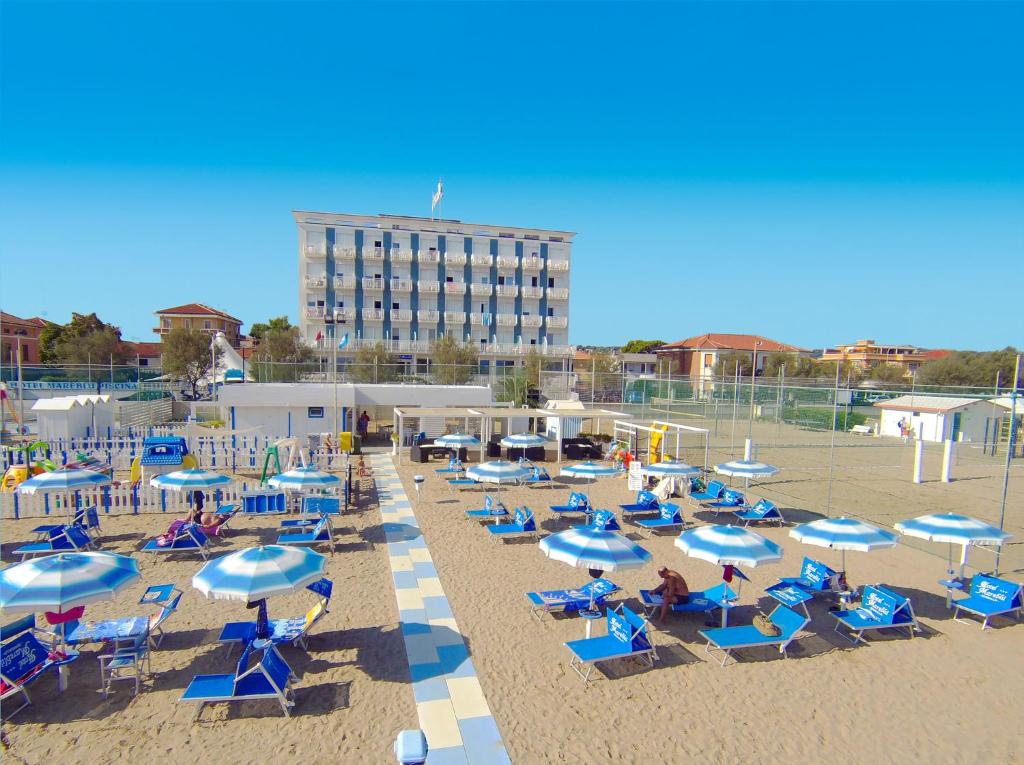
(452, 709)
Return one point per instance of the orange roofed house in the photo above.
(695, 357)
(201, 317)
(865, 354)
(17, 332)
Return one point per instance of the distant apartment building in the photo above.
(695, 357)
(145, 354)
(16, 332)
(865, 354)
(406, 281)
(201, 317)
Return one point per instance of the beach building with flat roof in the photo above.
(937, 418)
(405, 281)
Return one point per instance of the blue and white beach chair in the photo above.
(23, 660)
(463, 483)
(578, 503)
(188, 538)
(269, 678)
(537, 475)
(645, 502)
(990, 596)
(71, 538)
(762, 511)
(294, 631)
(669, 517)
(729, 639)
(720, 597)
(730, 501)
(602, 520)
(491, 511)
(522, 525)
(628, 637)
(321, 505)
(712, 492)
(321, 534)
(570, 601)
(880, 609)
(454, 466)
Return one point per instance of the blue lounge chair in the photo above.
(729, 639)
(321, 534)
(730, 501)
(462, 483)
(718, 598)
(815, 578)
(188, 538)
(62, 539)
(990, 596)
(712, 492)
(762, 511)
(269, 678)
(294, 631)
(570, 601)
(321, 505)
(881, 609)
(645, 502)
(301, 523)
(628, 637)
(522, 525)
(23, 660)
(602, 520)
(491, 511)
(86, 517)
(669, 517)
(454, 466)
(578, 503)
(538, 475)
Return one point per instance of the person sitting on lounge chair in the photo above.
(673, 589)
(208, 522)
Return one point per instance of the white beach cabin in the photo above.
(936, 418)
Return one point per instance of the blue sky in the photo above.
(815, 172)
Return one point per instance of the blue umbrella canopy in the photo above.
(66, 580)
(952, 528)
(259, 572)
(592, 548)
(671, 469)
(304, 478)
(746, 469)
(843, 534)
(456, 440)
(498, 471)
(194, 479)
(589, 470)
(523, 440)
(728, 546)
(63, 481)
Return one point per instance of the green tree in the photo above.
(374, 364)
(725, 364)
(533, 365)
(48, 339)
(282, 356)
(87, 339)
(600, 374)
(642, 346)
(188, 357)
(970, 369)
(887, 373)
(515, 387)
(278, 323)
(452, 362)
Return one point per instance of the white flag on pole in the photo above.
(436, 199)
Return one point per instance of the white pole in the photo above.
(1009, 451)
(947, 460)
(832, 449)
(918, 459)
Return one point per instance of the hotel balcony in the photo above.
(480, 319)
(508, 262)
(531, 320)
(533, 292)
(506, 290)
(401, 256)
(558, 293)
(479, 259)
(317, 252)
(315, 282)
(558, 322)
(403, 315)
(481, 290)
(455, 317)
(373, 314)
(344, 314)
(455, 258)
(506, 319)
(558, 266)
(344, 253)
(372, 284)
(428, 256)
(428, 316)
(455, 288)
(401, 285)
(341, 283)
(314, 312)
(373, 253)
(428, 287)
(532, 262)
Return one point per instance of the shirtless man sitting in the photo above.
(672, 589)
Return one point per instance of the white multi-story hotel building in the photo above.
(407, 281)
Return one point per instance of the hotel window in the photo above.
(377, 304)
(165, 322)
(188, 323)
(551, 281)
(207, 324)
(709, 360)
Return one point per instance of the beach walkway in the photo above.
(453, 712)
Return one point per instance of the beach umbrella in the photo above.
(64, 581)
(67, 481)
(195, 479)
(746, 469)
(523, 440)
(590, 470)
(498, 472)
(304, 479)
(954, 529)
(728, 546)
(670, 469)
(457, 440)
(843, 534)
(261, 572)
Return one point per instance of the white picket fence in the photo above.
(120, 499)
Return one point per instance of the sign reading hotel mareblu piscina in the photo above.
(57, 385)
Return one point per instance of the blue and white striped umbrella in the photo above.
(63, 481)
(65, 580)
(590, 470)
(591, 548)
(194, 479)
(952, 528)
(499, 472)
(523, 440)
(457, 440)
(728, 546)
(259, 572)
(303, 479)
(670, 469)
(746, 469)
(843, 534)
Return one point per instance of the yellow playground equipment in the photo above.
(18, 473)
(658, 431)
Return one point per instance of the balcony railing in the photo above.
(479, 259)
(506, 290)
(428, 286)
(428, 256)
(506, 319)
(316, 282)
(373, 314)
(401, 314)
(455, 288)
(370, 283)
(401, 285)
(558, 322)
(316, 251)
(341, 283)
(509, 262)
(531, 320)
(480, 319)
(344, 253)
(427, 315)
(403, 346)
(344, 314)
(558, 293)
(559, 266)
(373, 253)
(533, 292)
(455, 258)
(456, 317)
(314, 312)
(532, 262)
(481, 290)
(401, 256)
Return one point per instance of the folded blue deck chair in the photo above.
(711, 493)
(570, 601)
(990, 596)
(454, 466)
(578, 503)
(880, 609)
(645, 502)
(602, 520)
(295, 630)
(729, 501)
(491, 511)
(321, 534)
(721, 596)
(522, 525)
(71, 538)
(627, 637)
(23, 660)
(188, 538)
(669, 517)
(729, 639)
(321, 505)
(269, 678)
(762, 511)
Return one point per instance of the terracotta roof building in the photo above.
(865, 354)
(17, 332)
(696, 356)
(145, 354)
(201, 317)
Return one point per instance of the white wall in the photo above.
(937, 427)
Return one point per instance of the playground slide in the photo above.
(656, 438)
